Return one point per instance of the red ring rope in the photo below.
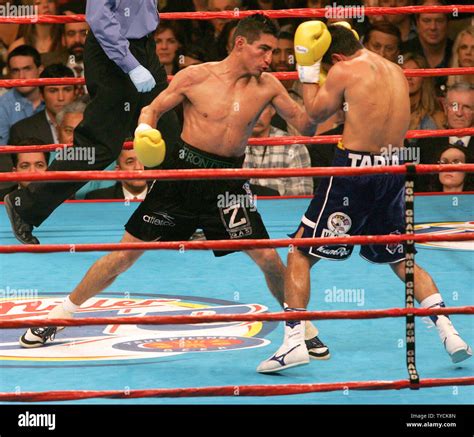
(238, 14)
(233, 391)
(264, 173)
(235, 244)
(259, 142)
(9, 323)
(418, 72)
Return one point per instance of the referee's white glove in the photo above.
(142, 79)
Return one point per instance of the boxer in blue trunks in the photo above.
(374, 95)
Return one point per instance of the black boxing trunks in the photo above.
(357, 205)
(173, 210)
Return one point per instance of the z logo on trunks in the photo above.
(236, 221)
(134, 342)
(445, 228)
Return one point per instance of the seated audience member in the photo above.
(44, 37)
(225, 42)
(404, 22)
(458, 108)
(74, 41)
(167, 46)
(290, 156)
(31, 162)
(463, 55)
(128, 190)
(373, 19)
(21, 102)
(456, 181)
(18, 103)
(432, 41)
(43, 124)
(192, 54)
(68, 119)
(384, 39)
(426, 112)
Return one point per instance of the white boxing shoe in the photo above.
(292, 352)
(37, 337)
(457, 348)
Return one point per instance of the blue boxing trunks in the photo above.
(357, 205)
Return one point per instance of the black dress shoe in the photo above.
(21, 229)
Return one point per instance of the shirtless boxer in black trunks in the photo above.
(222, 102)
(375, 94)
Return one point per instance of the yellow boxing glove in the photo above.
(149, 145)
(312, 41)
(347, 26)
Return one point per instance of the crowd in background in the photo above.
(49, 114)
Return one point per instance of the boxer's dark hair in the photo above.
(252, 27)
(343, 42)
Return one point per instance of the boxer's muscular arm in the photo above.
(169, 98)
(323, 101)
(291, 112)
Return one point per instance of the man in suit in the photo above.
(34, 162)
(43, 124)
(458, 108)
(128, 190)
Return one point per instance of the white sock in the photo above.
(69, 306)
(443, 323)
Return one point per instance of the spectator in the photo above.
(74, 41)
(222, 5)
(284, 60)
(68, 119)
(167, 46)
(291, 156)
(23, 63)
(43, 124)
(9, 31)
(452, 182)
(373, 19)
(192, 54)
(46, 38)
(403, 22)
(225, 42)
(34, 162)
(463, 55)
(432, 41)
(384, 39)
(128, 190)
(425, 111)
(458, 108)
(284, 55)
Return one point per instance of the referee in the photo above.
(123, 74)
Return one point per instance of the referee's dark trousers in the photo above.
(110, 117)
